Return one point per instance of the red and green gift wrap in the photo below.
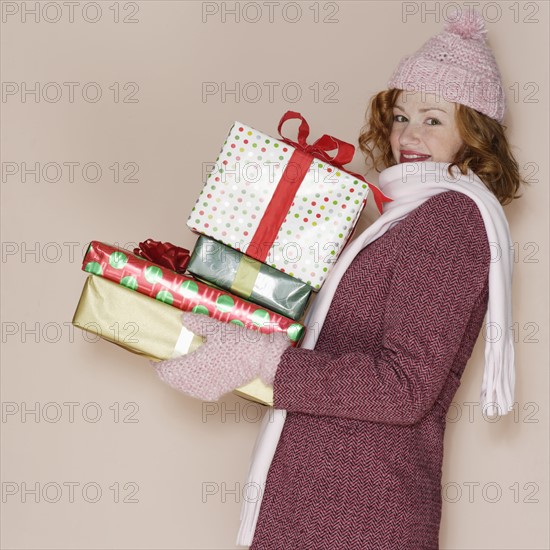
(185, 293)
(288, 204)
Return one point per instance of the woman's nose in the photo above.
(410, 134)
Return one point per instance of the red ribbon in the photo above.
(164, 254)
(320, 149)
(277, 209)
(292, 177)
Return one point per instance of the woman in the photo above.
(351, 456)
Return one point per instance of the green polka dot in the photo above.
(129, 282)
(118, 259)
(189, 289)
(201, 309)
(295, 332)
(237, 322)
(224, 303)
(260, 317)
(94, 267)
(275, 145)
(153, 274)
(165, 296)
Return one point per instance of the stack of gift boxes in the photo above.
(272, 219)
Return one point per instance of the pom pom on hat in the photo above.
(467, 24)
(457, 64)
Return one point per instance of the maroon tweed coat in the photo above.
(358, 465)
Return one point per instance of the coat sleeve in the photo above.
(441, 271)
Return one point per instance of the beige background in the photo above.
(182, 461)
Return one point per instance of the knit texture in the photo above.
(230, 356)
(358, 464)
(458, 65)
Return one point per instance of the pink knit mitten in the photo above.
(229, 357)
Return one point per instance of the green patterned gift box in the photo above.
(231, 270)
(182, 292)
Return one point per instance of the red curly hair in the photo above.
(485, 151)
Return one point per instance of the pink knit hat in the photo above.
(457, 64)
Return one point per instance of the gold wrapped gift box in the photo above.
(144, 326)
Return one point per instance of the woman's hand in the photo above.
(229, 357)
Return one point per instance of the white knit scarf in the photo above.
(409, 185)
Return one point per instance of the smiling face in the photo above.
(424, 129)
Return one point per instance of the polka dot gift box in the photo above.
(185, 293)
(287, 204)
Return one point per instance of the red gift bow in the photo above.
(164, 254)
(320, 149)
